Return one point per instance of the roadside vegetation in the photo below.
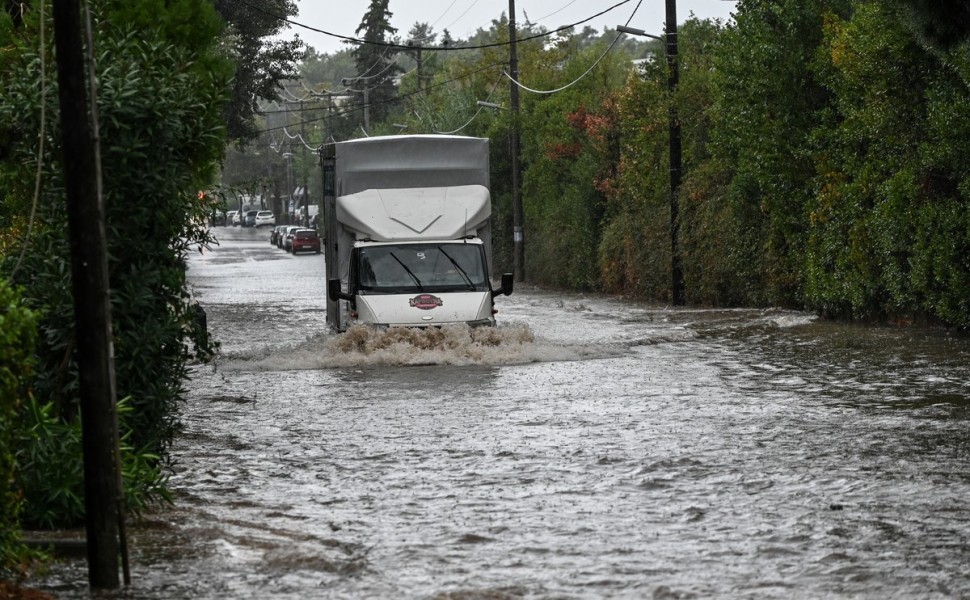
(824, 150)
(166, 77)
(825, 156)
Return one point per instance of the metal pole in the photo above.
(676, 269)
(518, 233)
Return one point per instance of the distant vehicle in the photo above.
(232, 217)
(305, 240)
(274, 235)
(219, 218)
(309, 214)
(408, 232)
(250, 219)
(264, 218)
(287, 231)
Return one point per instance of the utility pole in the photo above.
(420, 71)
(674, 158)
(306, 190)
(676, 267)
(362, 80)
(92, 309)
(518, 233)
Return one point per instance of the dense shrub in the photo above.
(17, 338)
(51, 470)
(889, 225)
(162, 83)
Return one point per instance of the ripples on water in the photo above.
(586, 448)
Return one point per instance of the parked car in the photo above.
(274, 235)
(250, 219)
(264, 218)
(285, 233)
(218, 218)
(232, 217)
(305, 240)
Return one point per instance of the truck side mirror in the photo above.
(335, 292)
(507, 284)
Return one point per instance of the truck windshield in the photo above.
(410, 268)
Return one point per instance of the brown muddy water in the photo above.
(586, 448)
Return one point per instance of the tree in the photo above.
(768, 102)
(570, 149)
(889, 223)
(635, 252)
(325, 71)
(943, 24)
(262, 64)
(376, 62)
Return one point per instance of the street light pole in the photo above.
(674, 148)
(518, 234)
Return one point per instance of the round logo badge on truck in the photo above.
(425, 301)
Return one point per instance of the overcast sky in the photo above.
(463, 17)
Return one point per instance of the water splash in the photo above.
(459, 345)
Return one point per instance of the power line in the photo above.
(587, 72)
(414, 47)
(474, 116)
(459, 17)
(443, 14)
(356, 107)
(556, 12)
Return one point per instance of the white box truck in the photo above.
(407, 232)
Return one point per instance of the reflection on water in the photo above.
(588, 448)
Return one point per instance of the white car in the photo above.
(265, 217)
(232, 217)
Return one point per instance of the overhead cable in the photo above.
(459, 17)
(474, 116)
(414, 47)
(395, 99)
(587, 72)
(556, 12)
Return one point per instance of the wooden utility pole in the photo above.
(518, 232)
(306, 161)
(92, 312)
(676, 268)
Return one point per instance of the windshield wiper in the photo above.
(464, 275)
(410, 272)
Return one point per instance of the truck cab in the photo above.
(420, 284)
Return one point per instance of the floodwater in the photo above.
(588, 447)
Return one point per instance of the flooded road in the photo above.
(586, 448)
